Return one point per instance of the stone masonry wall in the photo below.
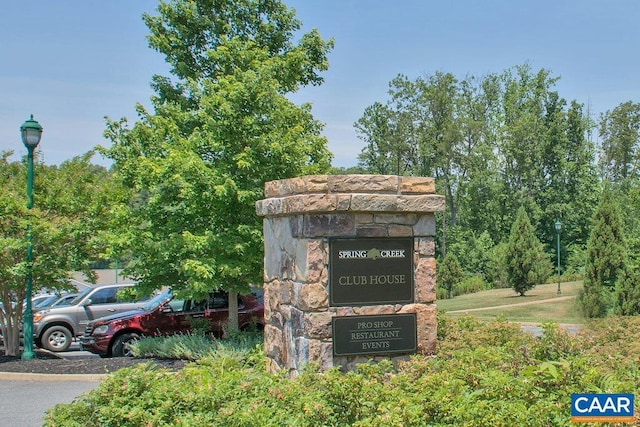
(300, 214)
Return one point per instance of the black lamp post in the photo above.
(31, 132)
(558, 226)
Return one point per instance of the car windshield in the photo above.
(65, 300)
(80, 296)
(46, 301)
(154, 302)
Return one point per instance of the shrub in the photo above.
(484, 374)
(449, 273)
(196, 346)
(470, 285)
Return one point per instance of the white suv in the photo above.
(55, 327)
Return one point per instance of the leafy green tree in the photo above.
(629, 194)
(606, 255)
(620, 133)
(493, 143)
(67, 221)
(578, 180)
(198, 163)
(472, 250)
(449, 273)
(606, 247)
(526, 261)
(381, 128)
(479, 187)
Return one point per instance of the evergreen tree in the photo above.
(526, 261)
(606, 253)
(628, 293)
(449, 273)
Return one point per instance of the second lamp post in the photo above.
(558, 226)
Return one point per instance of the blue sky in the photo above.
(72, 62)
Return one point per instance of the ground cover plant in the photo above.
(484, 374)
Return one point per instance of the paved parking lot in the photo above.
(23, 402)
(24, 398)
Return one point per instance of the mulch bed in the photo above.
(50, 363)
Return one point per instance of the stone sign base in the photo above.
(301, 215)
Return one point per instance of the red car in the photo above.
(165, 315)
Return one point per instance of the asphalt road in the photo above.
(537, 330)
(23, 402)
(24, 398)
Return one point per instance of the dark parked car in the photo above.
(166, 315)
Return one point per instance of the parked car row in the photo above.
(54, 327)
(107, 318)
(46, 300)
(165, 315)
(42, 301)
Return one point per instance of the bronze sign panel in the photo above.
(370, 271)
(386, 334)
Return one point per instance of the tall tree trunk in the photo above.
(233, 312)
(10, 328)
(444, 233)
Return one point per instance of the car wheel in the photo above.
(121, 345)
(56, 339)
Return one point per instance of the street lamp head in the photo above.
(558, 225)
(31, 132)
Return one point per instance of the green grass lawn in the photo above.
(541, 304)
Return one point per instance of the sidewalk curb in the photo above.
(25, 376)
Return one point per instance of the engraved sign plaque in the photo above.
(384, 334)
(370, 271)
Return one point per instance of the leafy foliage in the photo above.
(197, 346)
(484, 374)
(68, 222)
(449, 273)
(474, 251)
(620, 132)
(224, 127)
(493, 143)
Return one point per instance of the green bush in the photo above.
(470, 285)
(441, 293)
(485, 374)
(449, 273)
(566, 277)
(197, 346)
(467, 285)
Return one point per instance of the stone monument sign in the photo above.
(349, 269)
